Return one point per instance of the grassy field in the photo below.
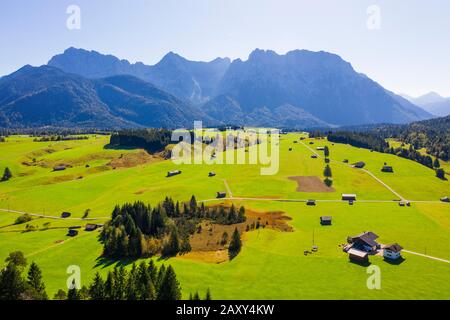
(272, 264)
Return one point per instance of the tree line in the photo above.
(152, 140)
(138, 230)
(376, 142)
(141, 282)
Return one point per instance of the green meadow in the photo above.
(272, 264)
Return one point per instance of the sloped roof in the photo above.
(367, 237)
(394, 247)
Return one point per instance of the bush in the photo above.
(328, 182)
(23, 219)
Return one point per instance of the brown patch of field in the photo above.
(310, 184)
(208, 245)
(60, 179)
(218, 256)
(142, 191)
(130, 160)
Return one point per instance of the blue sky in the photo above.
(410, 53)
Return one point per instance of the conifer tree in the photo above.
(97, 288)
(6, 175)
(235, 244)
(35, 283)
(170, 287)
(208, 295)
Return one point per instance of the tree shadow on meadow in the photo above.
(105, 262)
(395, 262)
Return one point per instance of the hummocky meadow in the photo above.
(272, 263)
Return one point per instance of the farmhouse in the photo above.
(387, 169)
(358, 255)
(364, 242)
(173, 173)
(325, 220)
(311, 202)
(221, 194)
(59, 168)
(392, 251)
(348, 197)
(359, 165)
(65, 214)
(211, 174)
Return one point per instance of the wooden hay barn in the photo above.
(65, 215)
(173, 173)
(211, 174)
(358, 255)
(59, 168)
(325, 220)
(359, 165)
(72, 233)
(348, 197)
(90, 227)
(387, 169)
(311, 202)
(221, 194)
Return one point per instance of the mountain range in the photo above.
(433, 103)
(301, 89)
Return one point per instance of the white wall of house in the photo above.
(391, 255)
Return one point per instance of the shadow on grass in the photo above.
(105, 262)
(361, 263)
(395, 262)
(119, 147)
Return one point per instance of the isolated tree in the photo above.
(170, 287)
(440, 173)
(208, 295)
(97, 288)
(436, 163)
(235, 244)
(327, 172)
(7, 174)
(326, 152)
(328, 182)
(35, 284)
(86, 213)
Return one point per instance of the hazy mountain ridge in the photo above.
(300, 89)
(194, 81)
(433, 103)
(47, 96)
